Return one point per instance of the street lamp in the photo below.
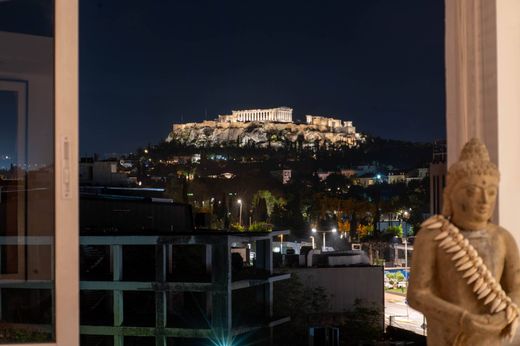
(240, 213)
(314, 230)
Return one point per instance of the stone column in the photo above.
(482, 85)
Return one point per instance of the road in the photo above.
(402, 315)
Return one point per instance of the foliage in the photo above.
(236, 227)
(299, 302)
(24, 336)
(260, 227)
(270, 200)
(395, 230)
(364, 231)
(337, 182)
(311, 306)
(343, 226)
(254, 227)
(362, 324)
(260, 210)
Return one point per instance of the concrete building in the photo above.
(283, 175)
(347, 284)
(93, 172)
(346, 277)
(395, 178)
(279, 114)
(365, 180)
(416, 174)
(166, 285)
(323, 175)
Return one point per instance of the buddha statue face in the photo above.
(473, 201)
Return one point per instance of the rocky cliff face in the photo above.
(262, 135)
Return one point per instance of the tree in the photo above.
(278, 216)
(337, 182)
(396, 231)
(260, 210)
(221, 211)
(299, 302)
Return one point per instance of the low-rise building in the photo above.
(94, 172)
(283, 175)
(396, 177)
(159, 280)
(346, 278)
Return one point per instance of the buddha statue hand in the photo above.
(484, 323)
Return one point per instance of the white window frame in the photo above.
(67, 174)
(66, 263)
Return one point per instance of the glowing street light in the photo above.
(239, 201)
(314, 230)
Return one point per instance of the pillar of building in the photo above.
(482, 84)
(221, 316)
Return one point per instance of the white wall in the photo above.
(346, 284)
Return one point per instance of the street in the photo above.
(399, 314)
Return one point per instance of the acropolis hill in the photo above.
(264, 128)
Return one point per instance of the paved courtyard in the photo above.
(399, 314)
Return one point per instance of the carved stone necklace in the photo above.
(468, 262)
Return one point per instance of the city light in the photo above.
(334, 230)
(314, 230)
(239, 201)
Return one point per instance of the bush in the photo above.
(260, 227)
(395, 231)
(236, 227)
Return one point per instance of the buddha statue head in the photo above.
(471, 188)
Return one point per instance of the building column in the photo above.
(116, 254)
(221, 294)
(482, 84)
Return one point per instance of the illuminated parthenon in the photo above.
(279, 114)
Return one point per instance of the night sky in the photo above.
(147, 64)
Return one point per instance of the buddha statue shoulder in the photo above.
(465, 273)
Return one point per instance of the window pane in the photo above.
(26, 171)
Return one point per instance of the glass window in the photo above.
(27, 218)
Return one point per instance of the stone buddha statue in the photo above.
(465, 273)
